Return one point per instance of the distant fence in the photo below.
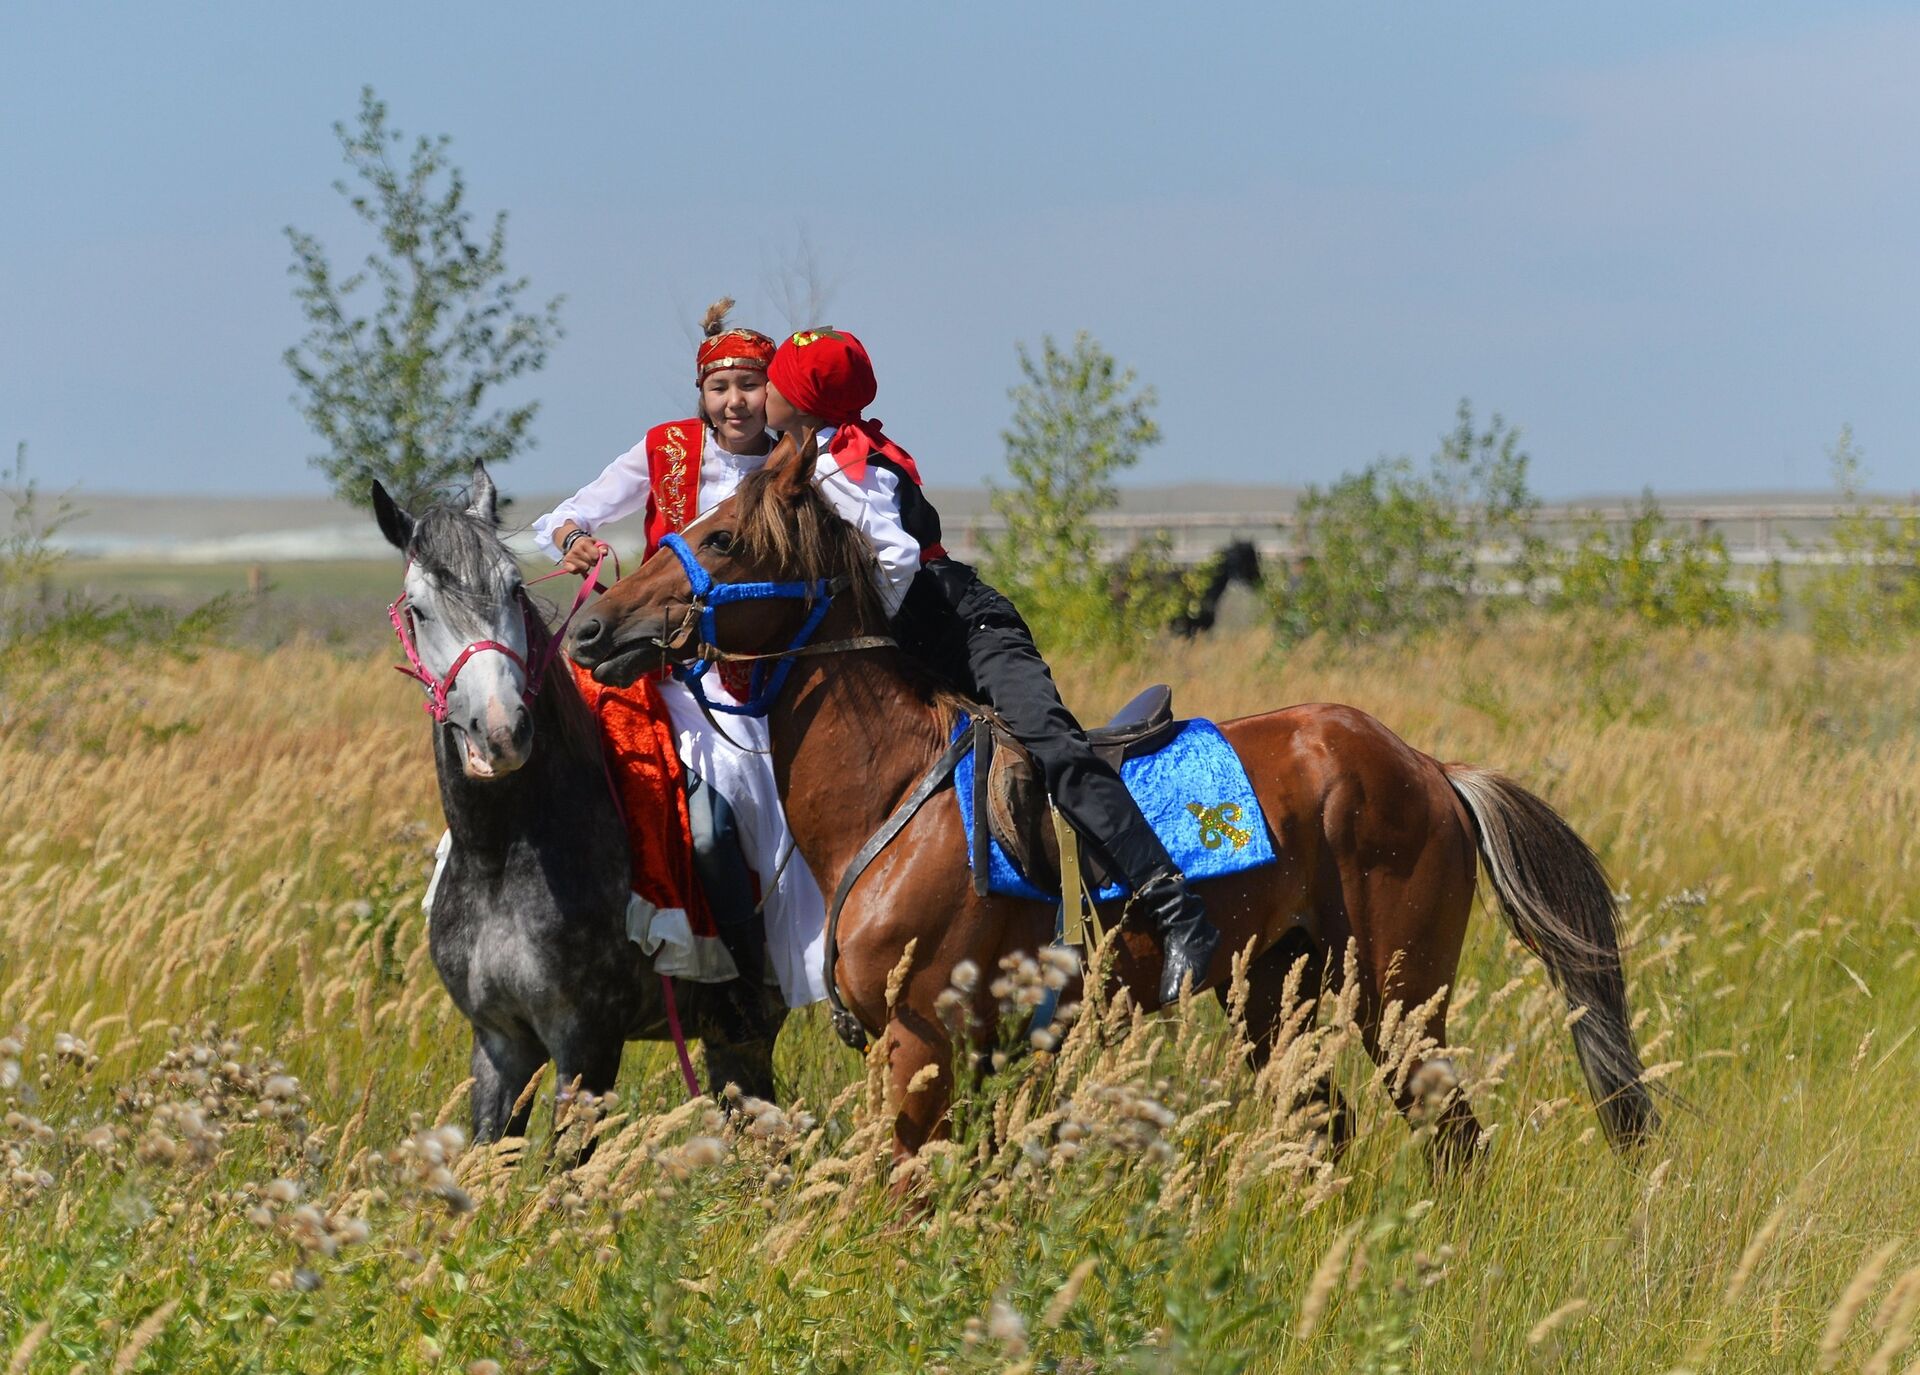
(1756, 536)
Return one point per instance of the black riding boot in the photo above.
(1179, 920)
(722, 870)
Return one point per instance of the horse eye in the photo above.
(720, 541)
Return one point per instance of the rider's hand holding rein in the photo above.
(579, 555)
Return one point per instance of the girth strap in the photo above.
(845, 1024)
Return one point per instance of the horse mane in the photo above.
(803, 538)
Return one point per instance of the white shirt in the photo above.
(871, 505)
(621, 489)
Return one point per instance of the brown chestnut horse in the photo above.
(1376, 841)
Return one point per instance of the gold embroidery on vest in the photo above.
(674, 480)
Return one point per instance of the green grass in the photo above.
(240, 842)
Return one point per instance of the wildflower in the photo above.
(965, 976)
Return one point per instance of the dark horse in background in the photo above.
(1377, 842)
(1238, 562)
(528, 923)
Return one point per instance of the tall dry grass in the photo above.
(227, 1070)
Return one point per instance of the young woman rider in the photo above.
(681, 468)
(822, 379)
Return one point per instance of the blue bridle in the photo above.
(769, 674)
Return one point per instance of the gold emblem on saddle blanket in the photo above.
(1216, 825)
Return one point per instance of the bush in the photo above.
(36, 628)
(1657, 575)
(1871, 593)
(1392, 550)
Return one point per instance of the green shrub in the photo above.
(1657, 575)
(1870, 594)
(38, 629)
(1393, 550)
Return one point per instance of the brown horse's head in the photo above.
(776, 528)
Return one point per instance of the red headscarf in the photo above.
(826, 373)
(734, 348)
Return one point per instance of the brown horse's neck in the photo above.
(851, 734)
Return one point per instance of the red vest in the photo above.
(673, 477)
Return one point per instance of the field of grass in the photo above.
(226, 1055)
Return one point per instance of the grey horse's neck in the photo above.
(561, 792)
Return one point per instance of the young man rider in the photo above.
(946, 615)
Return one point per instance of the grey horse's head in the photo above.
(462, 588)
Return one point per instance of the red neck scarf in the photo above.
(858, 440)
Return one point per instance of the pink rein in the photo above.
(439, 689)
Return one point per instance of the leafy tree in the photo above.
(1079, 419)
(398, 386)
(1393, 550)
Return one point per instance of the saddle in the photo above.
(1010, 792)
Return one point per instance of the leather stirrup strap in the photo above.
(845, 1025)
(982, 830)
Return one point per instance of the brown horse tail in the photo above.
(1557, 899)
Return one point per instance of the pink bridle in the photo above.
(439, 689)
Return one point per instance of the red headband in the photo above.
(826, 373)
(734, 348)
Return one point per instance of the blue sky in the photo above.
(1678, 245)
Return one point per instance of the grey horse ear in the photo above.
(486, 497)
(395, 523)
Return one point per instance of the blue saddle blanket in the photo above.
(1193, 791)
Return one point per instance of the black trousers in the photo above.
(973, 637)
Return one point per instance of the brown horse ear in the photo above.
(792, 462)
(798, 475)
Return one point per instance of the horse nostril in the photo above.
(523, 729)
(587, 634)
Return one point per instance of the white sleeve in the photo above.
(620, 490)
(872, 506)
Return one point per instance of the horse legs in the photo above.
(586, 1060)
(1267, 1012)
(1409, 927)
(748, 1064)
(916, 1043)
(503, 1065)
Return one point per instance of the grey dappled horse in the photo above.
(528, 923)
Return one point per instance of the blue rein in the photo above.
(767, 677)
